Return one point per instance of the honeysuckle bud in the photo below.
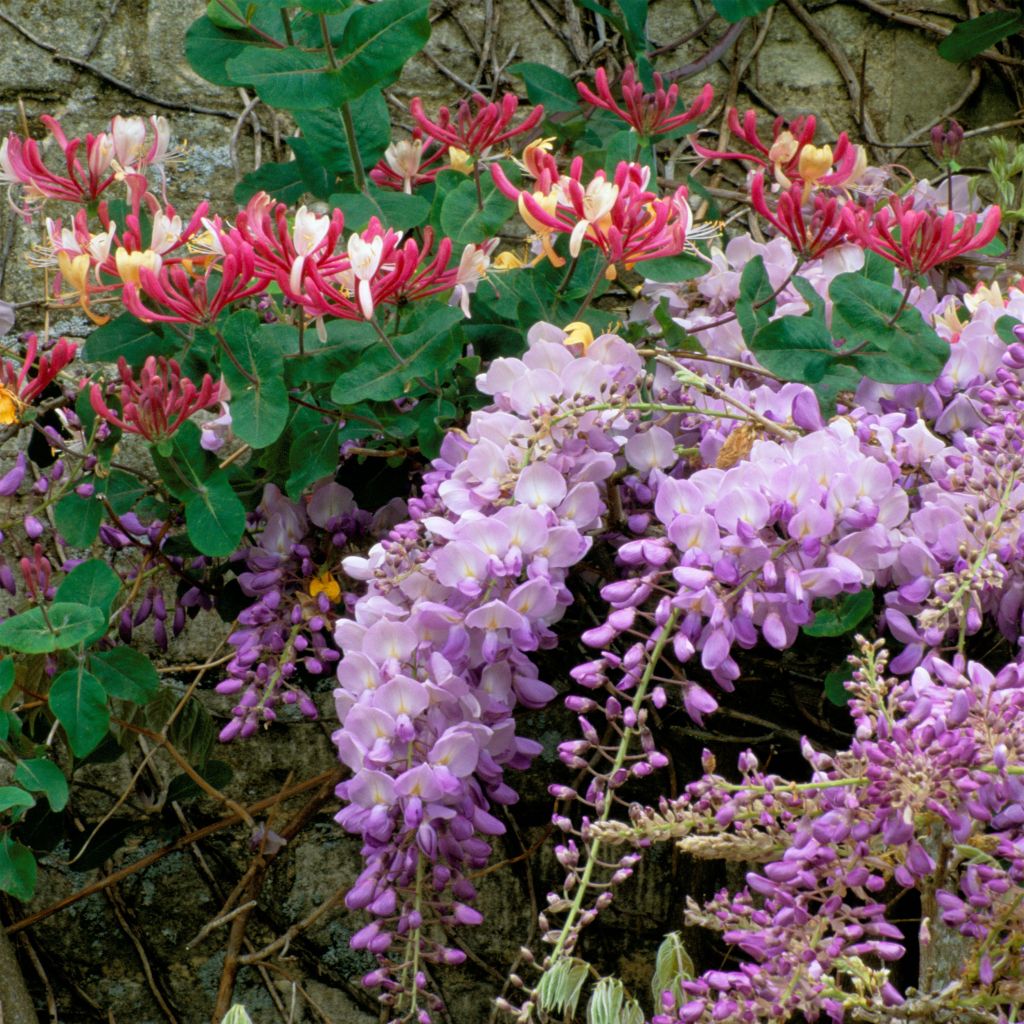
(947, 138)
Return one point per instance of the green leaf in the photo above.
(126, 674)
(561, 984)
(545, 85)
(122, 490)
(755, 304)
(377, 41)
(899, 352)
(835, 689)
(321, 363)
(313, 457)
(673, 269)
(128, 337)
(325, 6)
(393, 209)
(463, 221)
(71, 624)
(316, 176)
(188, 464)
(17, 869)
(844, 616)
(6, 676)
(736, 10)
(259, 400)
(972, 37)
(208, 48)
(80, 704)
(290, 78)
(433, 346)
(674, 337)
(324, 132)
(284, 181)
(78, 519)
(878, 268)
(795, 347)
(15, 797)
(215, 516)
(182, 788)
(1004, 328)
(815, 303)
(92, 583)
(41, 775)
(672, 965)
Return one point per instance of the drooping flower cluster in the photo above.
(290, 573)
(931, 782)
(437, 652)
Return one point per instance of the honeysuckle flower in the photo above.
(784, 155)
(158, 402)
(21, 386)
(579, 333)
(621, 217)
(408, 163)
(824, 228)
(917, 240)
(475, 131)
(22, 162)
(74, 272)
(472, 269)
(648, 113)
(459, 160)
(129, 264)
(186, 295)
(364, 257)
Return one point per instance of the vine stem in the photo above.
(620, 759)
(358, 173)
(593, 289)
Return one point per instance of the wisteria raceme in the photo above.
(437, 652)
(289, 571)
(932, 779)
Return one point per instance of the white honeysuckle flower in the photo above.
(365, 260)
(404, 159)
(129, 139)
(598, 200)
(166, 232)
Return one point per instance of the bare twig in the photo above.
(330, 777)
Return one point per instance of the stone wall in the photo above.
(126, 57)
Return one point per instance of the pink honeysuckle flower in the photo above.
(475, 131)
(194, 297)
(288, 253)
(822, 228)
(378, 268)
(917, 240)
(20, 386)
(472, 269)
(791, 155)
(621, 217)
(21, 162)
(155, 405)
(647, 113)
(408, 163)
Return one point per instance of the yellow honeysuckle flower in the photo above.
(75, 274)
(507, 261)
(578, 333)
(985, 295)
(461, 161)
(130, 263)
(548, 203)
(325, 583)
(814, 162)
(10, 407)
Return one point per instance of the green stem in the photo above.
(903, 303)
(591, 293)
(569, 271)
(594, 849)
(479, 190)
(287, 22)
(353, 147)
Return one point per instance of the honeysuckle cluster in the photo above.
(620, 216)
(21, 385)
